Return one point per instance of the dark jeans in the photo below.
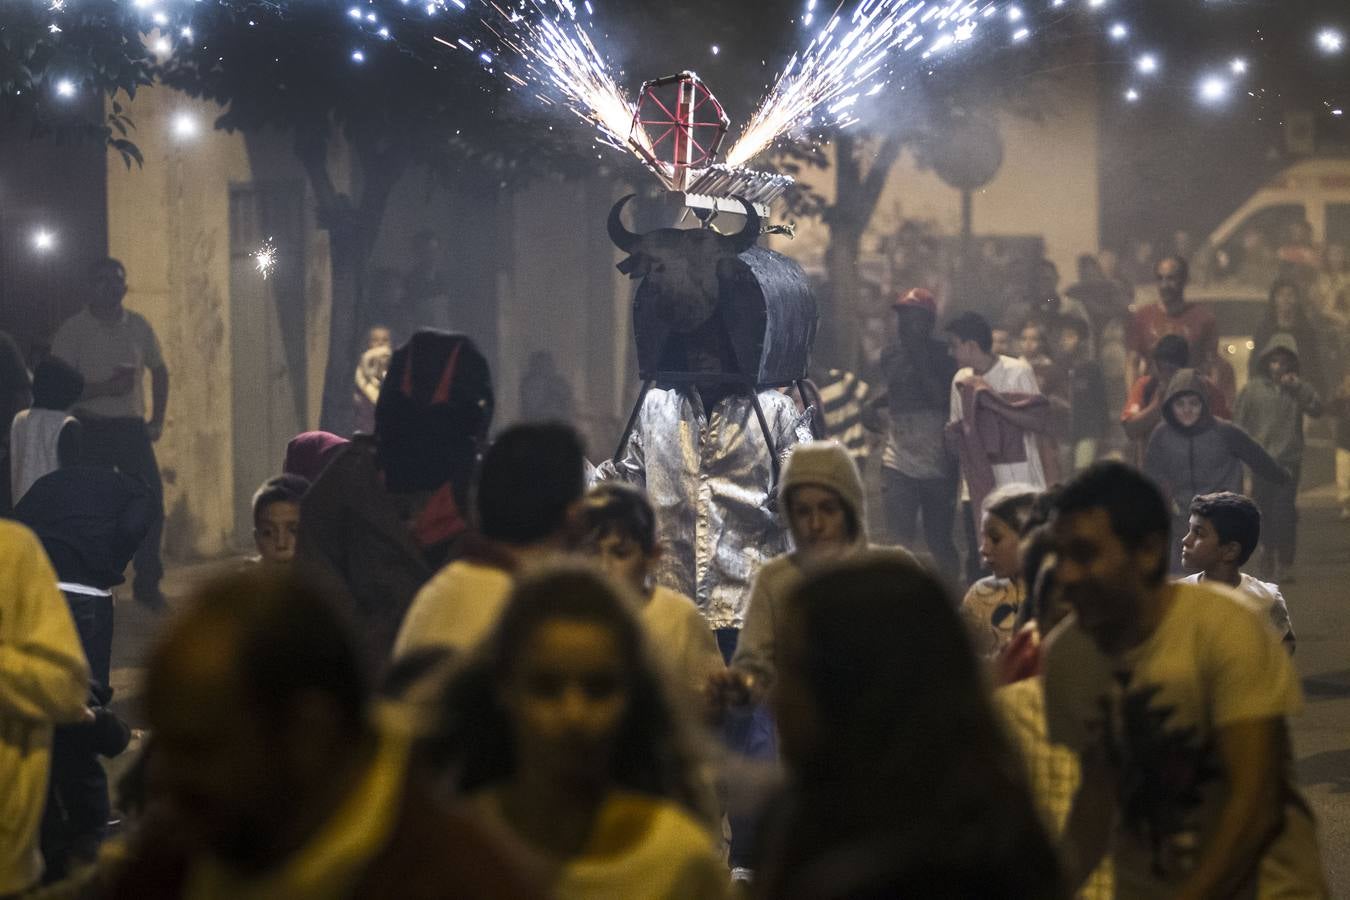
(749, 732)
(935, 499)
(1279, 516)
(76, 818)
(94, 622)
(124, 445)
(974, 570)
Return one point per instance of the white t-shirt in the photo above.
(455, 609)
(98, 348)
(1007, 376)
(1156, 711)
(1268, 596)
(33, 438)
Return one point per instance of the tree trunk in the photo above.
(352, 230)
(349, 250)
(856, 196)
(841, 268)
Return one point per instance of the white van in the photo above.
(1240, 252)
(1234, 268)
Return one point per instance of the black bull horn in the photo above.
(737, 243)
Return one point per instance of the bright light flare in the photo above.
(1147, 64)
(1330, 40)
(185, 126)
(65, 88)
(1238, 66)
(1213, 89)
(44, 241)
(1119, 31)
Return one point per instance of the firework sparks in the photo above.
(265, 258)
(837, 68)
(561, 58)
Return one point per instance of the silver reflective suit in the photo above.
(711, 482)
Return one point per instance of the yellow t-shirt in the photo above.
(44, 681)
(1156, 711)
(674, 858)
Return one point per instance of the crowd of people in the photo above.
(470, 663)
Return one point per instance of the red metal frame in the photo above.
(693, 143)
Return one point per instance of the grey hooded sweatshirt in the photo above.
(1273, 414)
(1204, 458)
(823, 464)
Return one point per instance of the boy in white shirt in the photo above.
(1225, 529)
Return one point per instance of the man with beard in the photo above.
(1175, 698)
(1174, 315)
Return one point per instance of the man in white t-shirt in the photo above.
(986, 466)
(113, 347)
(1175, 698)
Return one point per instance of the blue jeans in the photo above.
(94, 622)
(748, 731)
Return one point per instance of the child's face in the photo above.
(1069, 341)
(622, 558)
(1000, 347)
(380, 337)
(1279, 364)
(1201, 549)
(998, 547)
(1187, 409)
(275, 532)
(1033, 342)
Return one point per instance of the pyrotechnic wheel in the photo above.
(680, 125)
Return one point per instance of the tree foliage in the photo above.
(59, 59)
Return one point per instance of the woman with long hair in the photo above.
(560, 733)
(902, 782)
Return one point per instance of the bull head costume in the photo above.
(720, 324)
(714, 309)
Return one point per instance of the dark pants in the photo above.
(749, 732)
(94, 622)
(935, 500)
(76, 818)
(124, 445)
(1279, 516)
(974, 572)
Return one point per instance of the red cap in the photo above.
(918, 297)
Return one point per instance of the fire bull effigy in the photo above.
(716, 309)
(721, 324)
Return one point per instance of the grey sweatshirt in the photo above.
(1205, 457)
(1273, 414)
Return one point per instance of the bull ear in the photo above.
(635, 266)
(624, 239)
(748, 236)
